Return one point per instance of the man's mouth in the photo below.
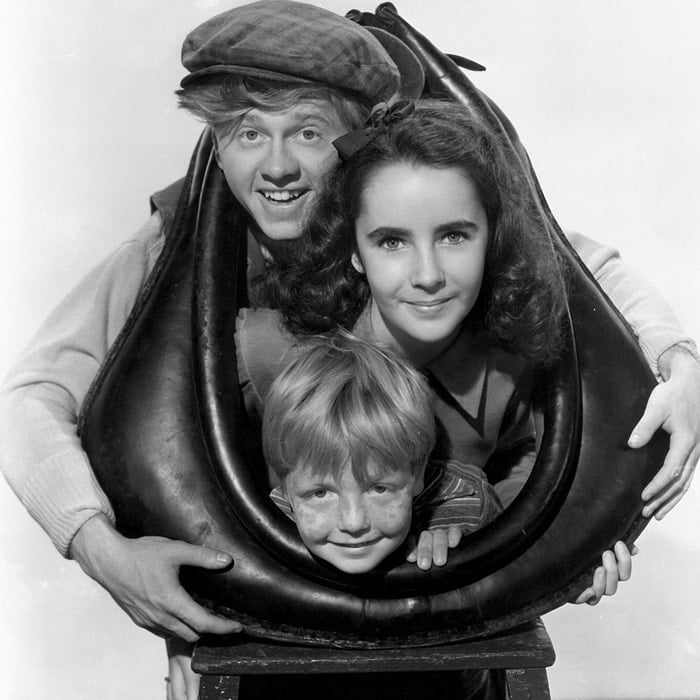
(282, 196)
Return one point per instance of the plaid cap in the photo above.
(280, 39)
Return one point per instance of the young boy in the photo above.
(347, 432)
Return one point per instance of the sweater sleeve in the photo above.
(651, 318)
(40, 453)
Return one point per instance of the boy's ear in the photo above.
(418, 484)
(357, 263)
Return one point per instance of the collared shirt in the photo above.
(481, 396)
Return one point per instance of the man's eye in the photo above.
(309, 134)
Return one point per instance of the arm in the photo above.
(674, 405)
(44, 462)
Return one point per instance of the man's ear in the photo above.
(357, 263)
(216, 148)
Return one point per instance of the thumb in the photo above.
(652, 419)
(204, 557)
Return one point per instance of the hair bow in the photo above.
(380, 118)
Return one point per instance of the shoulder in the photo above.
(262, 343)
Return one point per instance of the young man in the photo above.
(275, 163)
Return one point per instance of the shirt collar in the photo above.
(461, 369)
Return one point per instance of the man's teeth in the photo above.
(283, 195)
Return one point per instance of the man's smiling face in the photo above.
(276, 162)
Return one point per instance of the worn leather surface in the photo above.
(169, 441)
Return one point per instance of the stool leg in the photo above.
(219, 687)
(527, 684)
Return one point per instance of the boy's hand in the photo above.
(182, 683)
(673, 405)
(142, 576)
(432, 546)
(617, 566)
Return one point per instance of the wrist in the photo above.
(95, 539)
(676, 359)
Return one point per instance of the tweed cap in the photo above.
(285, 40)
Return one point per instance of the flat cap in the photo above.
(285, 40)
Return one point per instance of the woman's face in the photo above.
(421, 237)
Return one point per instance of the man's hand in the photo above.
(142, 576)
(673, 405)
(432, 546)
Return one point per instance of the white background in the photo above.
(605, 96)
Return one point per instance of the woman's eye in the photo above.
(309, 134)
(391, 243)
(318, 493)
(454, 237)
(379, 488)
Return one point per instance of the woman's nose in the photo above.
(279, 165)
(427, 271)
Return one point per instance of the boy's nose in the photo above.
(354, 518)
(279, 165)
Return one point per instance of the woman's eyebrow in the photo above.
(382, 231)
(457, 224)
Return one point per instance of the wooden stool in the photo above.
(523, 653)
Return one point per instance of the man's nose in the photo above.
(354, 518)
(279, 165)
(427, 272)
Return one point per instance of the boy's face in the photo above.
(275, 163)
(352, 525)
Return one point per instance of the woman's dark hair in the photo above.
(522, 297)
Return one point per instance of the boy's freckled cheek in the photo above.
(311, 520)
(394, 516)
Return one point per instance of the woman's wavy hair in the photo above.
(523, 294)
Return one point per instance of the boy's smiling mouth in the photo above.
(357, 545)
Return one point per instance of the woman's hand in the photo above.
(182, 683)
(432, 546)
(616, 566)
(673, 405)
(142, 576)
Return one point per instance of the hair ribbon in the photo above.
(379, 120)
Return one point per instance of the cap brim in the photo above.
(412, 74)
(249, 71)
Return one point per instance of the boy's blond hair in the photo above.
(340, 401)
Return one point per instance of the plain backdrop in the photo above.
(605, 96)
